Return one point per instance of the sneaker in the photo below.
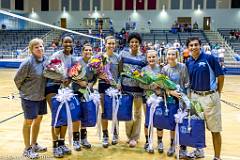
(115, 139)
(215, 158)
(198, 153)
(76, 146)
(132, 143)
(29, 153)
(65, 150)
(37, 148)
(148, 149)
(57, 152)
(160, 147)
(105, 143)
(85, 143)
(183, 154)
(171, 151)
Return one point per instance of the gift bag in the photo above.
(124, 112)
(192, 135)
(89, 114)
(75, 110)
(163, 117)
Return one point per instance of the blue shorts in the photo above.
(52, 89)
(32, 109)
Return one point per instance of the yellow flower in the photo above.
(95, 60)
(136, 73)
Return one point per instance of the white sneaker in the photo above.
(37, 148)
(198, 153)
(148, 149)
(105, 143)
(183, 154)
(76, 146)
(29, 153)
(65, 150)
(57, 152)
(115, 139)
(160, 147)
(85, 143)
(171, 151)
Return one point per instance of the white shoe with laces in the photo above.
(37, 148)
(198, 153)
(29, 153)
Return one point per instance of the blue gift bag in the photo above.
(62, 117)
(161, 120)
(196, 137)
(124, 111)
(89, 114)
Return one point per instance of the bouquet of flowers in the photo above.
(76, 72)
(55, 70)
(196, 110)
(100, 66)
(146, 78)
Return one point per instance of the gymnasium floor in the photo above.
(11, 142)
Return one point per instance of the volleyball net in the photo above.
(14, 40)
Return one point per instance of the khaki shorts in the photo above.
(212, 110)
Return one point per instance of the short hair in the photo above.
(173, 49)
(190, 39)
(34, 42)
(135, 35)
(86, 45)
(151, 50)
(68, 35)
(109, 37)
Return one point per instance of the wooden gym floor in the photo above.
(11, 141)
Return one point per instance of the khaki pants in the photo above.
(133, 127)
(212, 110)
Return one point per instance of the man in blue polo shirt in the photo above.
(206, 82)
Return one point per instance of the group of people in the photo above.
(183, 27)
(234, 34)
(201, 78)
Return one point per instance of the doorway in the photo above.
(63, 22)
(206, 23)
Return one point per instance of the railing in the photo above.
(226, 45)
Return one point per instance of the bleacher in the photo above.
(167, 36)
(13, 40)
(234, 43)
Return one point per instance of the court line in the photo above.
(11, 117)
(224, 157)
(234, 105)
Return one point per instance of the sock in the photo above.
(61, 142)
(115, 131)
(55, 144)
(172, 141)
(183, 147)
(83, 133)
(26, 149)
(76, 136)
(105, 133)
(159, 139)
(146, 139)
